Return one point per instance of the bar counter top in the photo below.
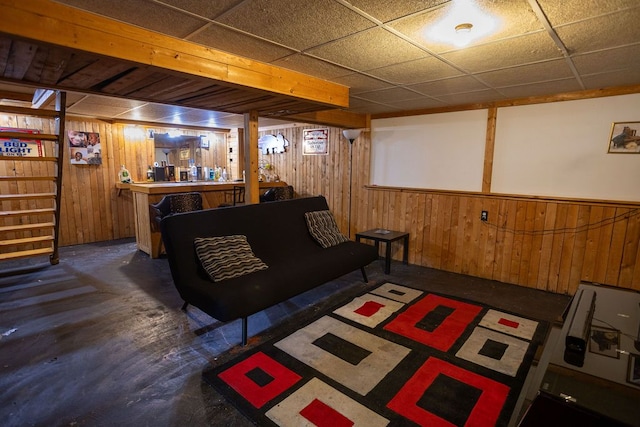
(214, 194)
(168, 187)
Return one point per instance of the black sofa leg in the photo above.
(244, 331)
(184, 306)
(364, 275)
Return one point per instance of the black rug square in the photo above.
(260, 377)
(450, 399)
(493, 349)
(342, 348)
(434, 318)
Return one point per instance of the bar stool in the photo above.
(236, 197)
(169, 205)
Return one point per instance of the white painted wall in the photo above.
(438, 151)
(560, 149)
(555, 149)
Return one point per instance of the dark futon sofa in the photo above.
(278, 234)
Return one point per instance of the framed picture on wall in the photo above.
(315, 141)
(85, 147)
(624, 138)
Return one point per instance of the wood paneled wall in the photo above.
(91, 209)
(542, 243)
(312, 175)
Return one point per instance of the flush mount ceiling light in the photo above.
(463, 23)
(463, 28)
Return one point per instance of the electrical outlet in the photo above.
(484, 216)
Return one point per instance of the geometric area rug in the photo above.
(392, 356)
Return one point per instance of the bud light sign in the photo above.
(20, 148)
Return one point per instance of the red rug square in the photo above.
(485, 412)
(259, 394)
(323, 415)
(445, 334)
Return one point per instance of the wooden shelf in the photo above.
(27, 178)
(25, 254)
(29, 136)
(29, 111)
(25, 241)
(27, 159)
(43, 211)
(27, 196)
(23, 227)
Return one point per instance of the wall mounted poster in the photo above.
(18, 147)
(315, 141)
(624, 138)
(85, 148)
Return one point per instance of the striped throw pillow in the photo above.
(324, 229)
(226, 257)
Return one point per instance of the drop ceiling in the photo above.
(378, 49)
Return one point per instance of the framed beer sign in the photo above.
(17, 147)
(315, 141)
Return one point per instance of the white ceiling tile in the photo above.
(627, 57)
(566, 11)
(446, 86)
(538, 72)
(310, 65)
(613, 30)
(505, 53)
(417, 71)
(368, 49)
(143, 13)
(227, 40)
(480, 96)
(296, 23)
(541, 89)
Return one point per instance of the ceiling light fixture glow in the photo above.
(464, 23)
(463, 28)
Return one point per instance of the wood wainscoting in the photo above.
(543, 243)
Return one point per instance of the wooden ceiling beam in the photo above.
(337, 118)
(60, 25)
(15, 96)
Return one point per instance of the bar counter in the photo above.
(213, 195)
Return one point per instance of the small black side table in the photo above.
(387, 236)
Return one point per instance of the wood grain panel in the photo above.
(546, 244)
(543, 243)
(630, 252)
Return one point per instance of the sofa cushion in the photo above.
(324, 229)
(226, 257)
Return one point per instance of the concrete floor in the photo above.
(100, 340)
